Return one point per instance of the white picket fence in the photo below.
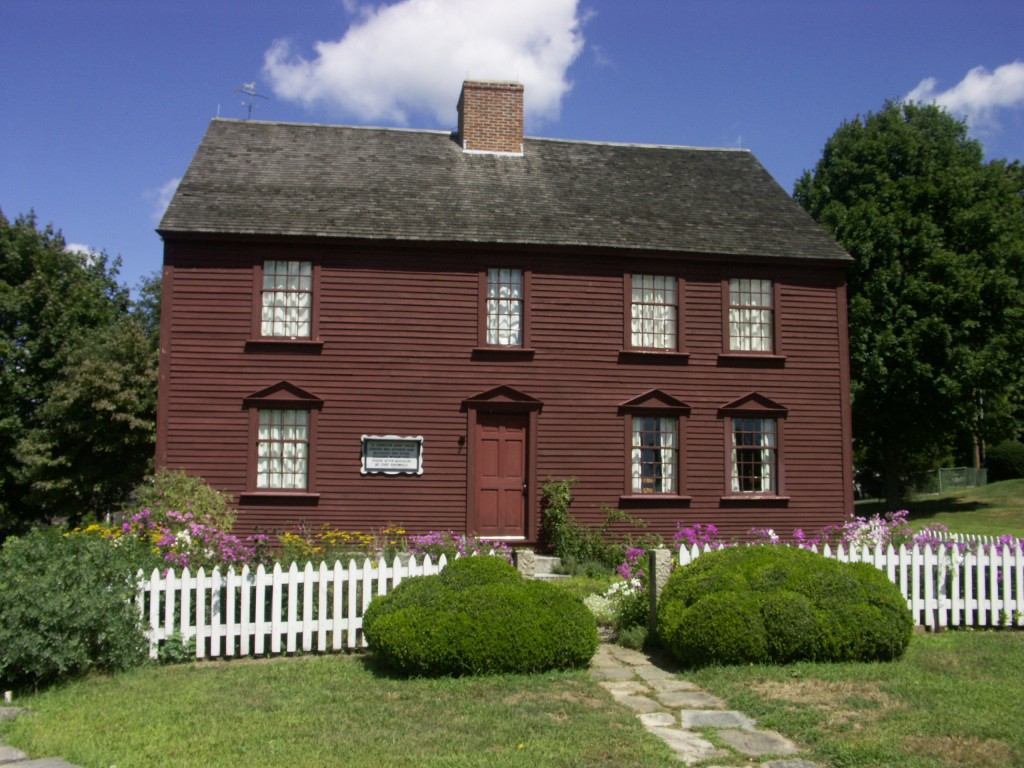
(983, 587)
(274, 611)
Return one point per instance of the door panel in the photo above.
(500, 451)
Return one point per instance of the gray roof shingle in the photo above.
(260, 178)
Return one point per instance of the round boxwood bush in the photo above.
(479, 616)
(66, 607)
(779, 604)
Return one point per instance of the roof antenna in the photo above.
(249, 89)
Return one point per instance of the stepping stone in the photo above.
(629, 656)
(624, 687)
(791, 763)
(6, 713)
(10, 754)
(653, 674)
(689, 700)
(640, 703)
(45, 762)
(700, 718)
(689, 747)
(672, 684)
(611, 674)
(658, 719)
(757, 743)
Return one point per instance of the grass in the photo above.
(955, 699)
(329, 711)
(991, 510)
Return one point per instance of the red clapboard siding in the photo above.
(399, 327)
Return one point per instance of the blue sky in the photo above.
(103, 102)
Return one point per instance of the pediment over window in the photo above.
(655, 402)
(503, 398)
(754, 404)
(284, 394)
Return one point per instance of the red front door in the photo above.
(500, 449)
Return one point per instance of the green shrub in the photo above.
(479, 616)
(779, 604)
(574, 542)
(66, 607)
(176, 491)
(1005, 461)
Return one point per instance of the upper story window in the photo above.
(754, 455)
(751, 315)
(287, 299)
(505, 298)
(282, 449)
(655, 454)
(653, 312)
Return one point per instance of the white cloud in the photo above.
(79, 248)
(161, 197)
(411, 57)
(979, 95)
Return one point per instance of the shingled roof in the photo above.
(262, 178)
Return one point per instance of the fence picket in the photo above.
(245, 628)
(307, 608)
(291, 627)
(337, 621)
(276, 628)
(201, 614)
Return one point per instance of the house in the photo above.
(364, 326)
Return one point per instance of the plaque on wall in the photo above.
(392, 455)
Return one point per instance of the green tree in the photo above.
(77, 381)
(936, 303)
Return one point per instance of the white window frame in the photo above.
(751, 315)
(283, 449)
(286, 299)
(654, 465)
(505, 307)
(755, 455)
(654, 312)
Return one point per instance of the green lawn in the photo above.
(989, 510)
(330, 711)
(955, 699)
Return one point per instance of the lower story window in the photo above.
(654, 451)
(283, 449)
(754, 455)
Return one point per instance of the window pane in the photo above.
(653, 312)
(653, 454)
(505, 307)
(282, 449)
(751, 315)
(287, 294)
(754, 455)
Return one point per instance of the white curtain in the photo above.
(750, 315)
(653, 322)
(654, 454)
(505, 307)
(282, 449)
(287, 298)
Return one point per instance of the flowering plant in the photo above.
(328, 544)
(451, 545)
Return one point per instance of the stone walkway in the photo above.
(677, 710)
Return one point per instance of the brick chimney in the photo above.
(491, 117)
